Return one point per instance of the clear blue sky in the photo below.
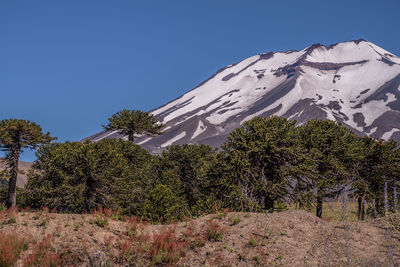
(69, 65)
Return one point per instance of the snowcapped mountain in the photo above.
(356, 83)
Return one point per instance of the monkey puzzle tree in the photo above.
(334, 151)
(79, 177)
(15, 135)
(380, 164)
(183, 168)
(262, 155)
(131, 122)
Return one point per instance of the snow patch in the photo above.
(105, 136)
(200, 129)
(389, 134)
(375, 108)
(176, 138)
(144, 141)
(372, 131)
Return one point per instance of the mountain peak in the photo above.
(355, 83)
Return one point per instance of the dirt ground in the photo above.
(289, 238)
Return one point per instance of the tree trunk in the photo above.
(12, 184)
(300, 204)
(363, 210)
(88, 194)
(380, 207)
(359, 202)
(269, 203)
(319, 205)
(130, 136)
(89, 188)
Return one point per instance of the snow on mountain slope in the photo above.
(356, 83)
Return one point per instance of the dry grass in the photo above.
(11, 246)
(290, 238)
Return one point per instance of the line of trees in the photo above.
(263, 164)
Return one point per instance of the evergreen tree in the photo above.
(380, 164)
(77, 177)
(334, 151)
(183, 168)
(260, 156)
(131, 122)
(16, 135)
(163, 205)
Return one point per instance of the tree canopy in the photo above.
(184, 169)
(78, 177)
(259, 155)
(334, 152)
(131, 122)
(264, 165)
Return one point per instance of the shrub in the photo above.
(163, 205)
(220, 215)
(253, 242)
(11, 246)
(237, 220)
(43, 223)
(101, 221)
(214, 231)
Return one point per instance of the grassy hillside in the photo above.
(290, 238)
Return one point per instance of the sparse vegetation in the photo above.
(101, 221)
(10, 221)
(253, 242)
(42, 255)
(236, 220)
(11, 246)
(133, 241)
(214, 231)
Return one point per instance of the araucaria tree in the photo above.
(260, 156)
(184, 169)
(15, 135)
(131, 122)
(79, 177)
(380, 164)
(334, 151)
